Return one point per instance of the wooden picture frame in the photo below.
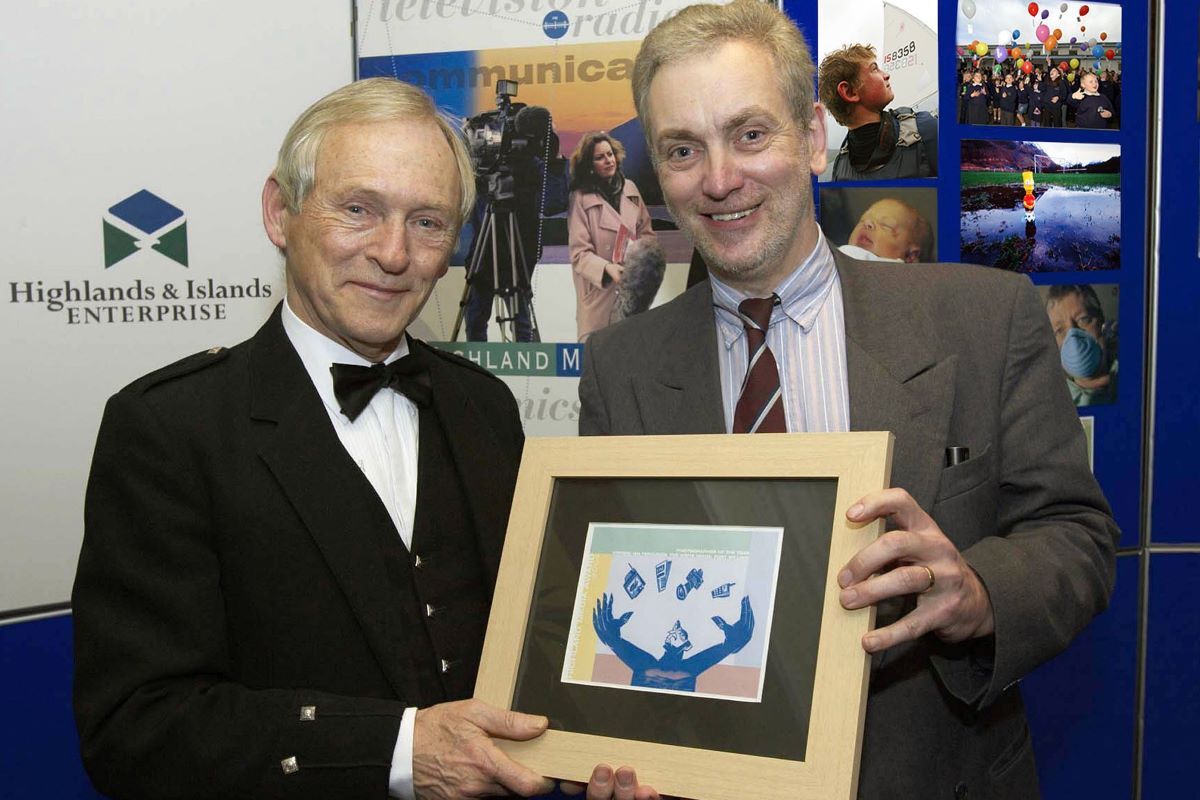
(780, 746)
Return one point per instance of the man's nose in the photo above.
(723, 174)
(389, 246)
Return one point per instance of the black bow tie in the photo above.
(355, 385)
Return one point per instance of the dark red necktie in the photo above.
(760, 406)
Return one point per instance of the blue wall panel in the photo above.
(1172, 677)
(1177, 401)
(1081, 704)
(39, 751)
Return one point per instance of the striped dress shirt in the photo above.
(807, 335)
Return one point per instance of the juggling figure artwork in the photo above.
(670, 670)
(704, 631)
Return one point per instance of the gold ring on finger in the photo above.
(932, 578)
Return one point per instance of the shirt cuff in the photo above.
(400, 780)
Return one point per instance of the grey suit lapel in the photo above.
(897, 381)
(683, 395)
(329, 493)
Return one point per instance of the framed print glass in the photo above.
(671, 603)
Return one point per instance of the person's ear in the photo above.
(847, 92)
(818, 159)
(275, 213)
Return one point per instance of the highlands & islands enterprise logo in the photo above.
(138, 292)
(144, 220)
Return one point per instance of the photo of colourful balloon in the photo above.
(1045, 14)
(1062, 66)
(1033, 9)
(1042, 33)
(1083, 28)
(1083, 11)
(1020, 62)
(1071, 76)
(1110, 54)
(981, 49)
(1074, 63)
(1072, 40)
(1027, 67)
(1016, 35)
(1050, 43)
(1097, 51)
(1103, 36)
(1001, 53)
(1015, 52)
(968, 8)
(1058, 33)
(1063, 8)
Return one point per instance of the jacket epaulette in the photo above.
(457, 360)
(180, 368)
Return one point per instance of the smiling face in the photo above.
(734, 165)
(1090, 83)
(604, 160)
(374, 234)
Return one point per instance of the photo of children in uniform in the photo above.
(1048, 65)
(1041, 206)
(1084, 319)
(675, 608)
(881, 224)
(877, 78)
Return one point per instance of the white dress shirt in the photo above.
(383, 441)
(807, 336)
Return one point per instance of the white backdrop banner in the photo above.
(136, 138)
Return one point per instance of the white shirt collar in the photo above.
(801, 293)
(318, 353)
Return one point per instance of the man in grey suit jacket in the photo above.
(992, 565)
(287, 566)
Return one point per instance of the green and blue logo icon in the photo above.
(144, 220)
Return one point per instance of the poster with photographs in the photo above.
(1041, 206)
(877, 77)
(881, 224)
(1039, 65)
(1085, 323)
(544, 98)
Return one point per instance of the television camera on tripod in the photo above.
(515, 151)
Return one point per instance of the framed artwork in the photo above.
(671, 603)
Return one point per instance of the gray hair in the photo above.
(701, 28)
(366, 101)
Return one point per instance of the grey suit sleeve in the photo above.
(158, 713)
(1050, 568)
(593, 414)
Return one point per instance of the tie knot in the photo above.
(756, 312)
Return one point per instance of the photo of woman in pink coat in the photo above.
(617, 263)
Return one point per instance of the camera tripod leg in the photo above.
(517, 295)
(474, 267)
